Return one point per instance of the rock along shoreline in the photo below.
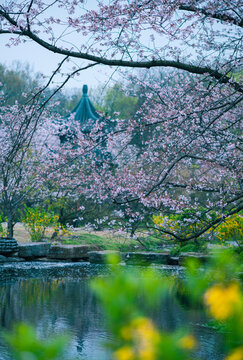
(46, 252)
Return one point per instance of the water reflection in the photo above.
(56, 306)
(67, 305)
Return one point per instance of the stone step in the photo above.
(143, 258)
(101, 257)
(202, 258)
(34, 250)
(70, 252)
(6, 259)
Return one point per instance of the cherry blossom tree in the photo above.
(24, 156)
(188, 124)
(189, 153)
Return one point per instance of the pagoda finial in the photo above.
(85, 89)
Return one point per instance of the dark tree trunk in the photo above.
(10, 224)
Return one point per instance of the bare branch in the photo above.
(222, 78)
(221, 16)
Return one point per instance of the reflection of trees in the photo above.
(59, 305)
(52, 306)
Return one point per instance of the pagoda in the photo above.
(84, 114)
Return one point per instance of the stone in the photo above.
(71, 252)
(34, 250)
(14, 259)
(191, 255)
(145, 258)
(45, 259)
(173, 260)
(101, 257)
(8, 246)
(3, 258)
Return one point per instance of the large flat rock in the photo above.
(173, 260)
(186, 256)
(101, 257)
(7, 259)
(34, 250)
(70, 252)
(143, 258)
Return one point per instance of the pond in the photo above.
(56, 298)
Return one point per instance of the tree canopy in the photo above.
(177, 142)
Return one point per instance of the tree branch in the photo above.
(204, 229)
(222, 78)
(221, 17)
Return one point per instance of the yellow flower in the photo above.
(223, 301)
(237, 354)
(188, 342)
(124, 353)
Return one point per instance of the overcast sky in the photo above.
(44, 61)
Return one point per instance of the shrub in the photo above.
(190, 246)
(185, 224)
(135, 335)
(37, 220)
(175, 251)
(3, 218)
(231, 229)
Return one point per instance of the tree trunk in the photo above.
(10, 224)
(61, 216)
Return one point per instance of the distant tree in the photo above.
(118, 100)
(17, 83)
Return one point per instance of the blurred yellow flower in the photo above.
(124, 353)
(144, 336)
(237, 354)
(222, 301)
(188, 342)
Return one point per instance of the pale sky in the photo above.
(44, 61)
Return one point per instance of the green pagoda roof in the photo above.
(84, 115)
(85, 112)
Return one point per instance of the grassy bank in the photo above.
(103, 240)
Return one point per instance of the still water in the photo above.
(56, 299)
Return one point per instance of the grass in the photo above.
(107, 240)
(102, 240)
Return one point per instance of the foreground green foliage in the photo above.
(25, 345)
(136, 337)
